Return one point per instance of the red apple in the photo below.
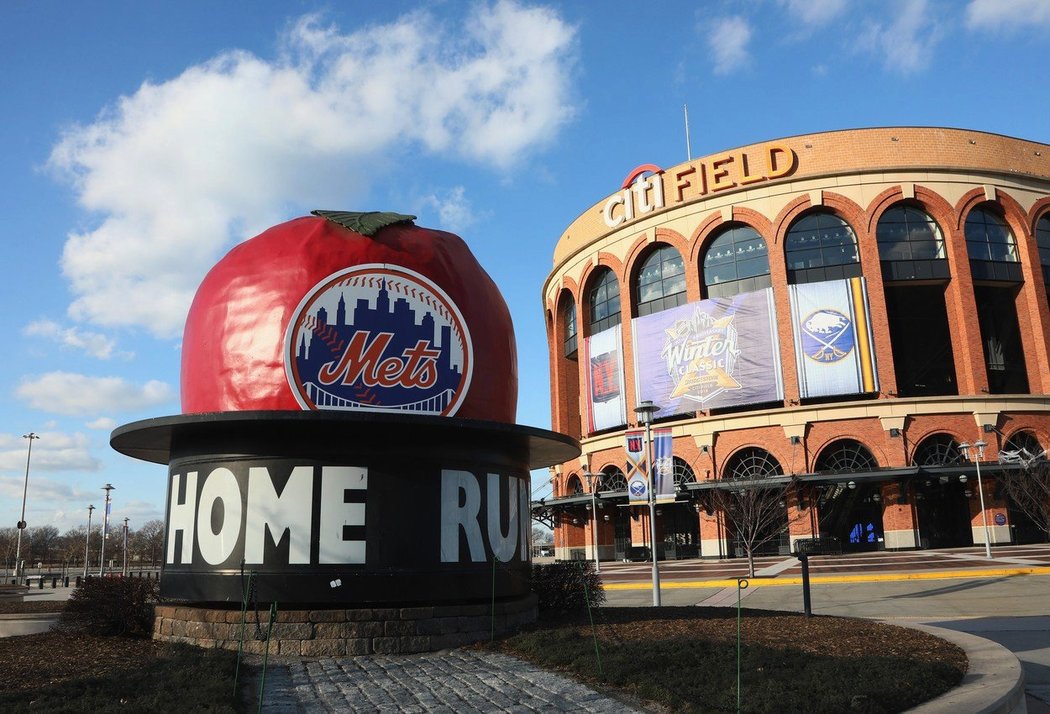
(350, 311)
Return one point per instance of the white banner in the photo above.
(834, 347)
(603, 372)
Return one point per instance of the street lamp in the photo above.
(105, 531)
(592, 483)
(978, 447)
(645, 412)
(124, 572)
(87, 541)
(22, 519)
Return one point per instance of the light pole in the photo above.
(645, 412)
(592, 483)
(87, 541)
(22, 519)
(124, 571)
(978, 447)
(105, 531)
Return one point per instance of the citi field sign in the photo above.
(648, 189)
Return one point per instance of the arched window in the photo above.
(603, 301)
(613, 480)
(845, 455)
(1042, 239)
(937, 450)
(911, 246)
(661, 281)
(988, 238)
(683, 474)
(750, 464)
(820, 246)
(736, 262)
(568, 318)
(1022, 447)
(575, 486)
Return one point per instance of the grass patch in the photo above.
(686, 660)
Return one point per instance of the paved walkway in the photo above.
(451, 681)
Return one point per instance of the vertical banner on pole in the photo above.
(637, 484)
(663, 465)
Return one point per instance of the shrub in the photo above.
(111, 606)
(567, 586)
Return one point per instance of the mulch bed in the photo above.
(33, 661)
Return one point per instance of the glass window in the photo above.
(989, 238)
(569, 320)
(1042, 239)
(737, 254)
(750, 464)
(908, 233)
(604, 302)
(818, 241)
(661, 281)
(937, 450)
(846, 455)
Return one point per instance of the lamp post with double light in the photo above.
(87, 541)
(978, 451)
(645, 412)
(105, 531)
(22, 519)
(592, 484)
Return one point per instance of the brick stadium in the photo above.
(841, 312)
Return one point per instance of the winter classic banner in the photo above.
(833, 340)
(606, 407)
(663, 465)
(714, 353)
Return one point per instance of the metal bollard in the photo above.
(54, 582)
(40, 583)
(66, 583)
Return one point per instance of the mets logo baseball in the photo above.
(827, 336)
(379, 338)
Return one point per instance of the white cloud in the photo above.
(906, 44)
(179, 170)
(1008, 14)
(53, 451)
(102, 424)
(92, 343)
(728, 38)
(79, 395)
(454, 210)
(814, 12)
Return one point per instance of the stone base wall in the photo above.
(336, 633)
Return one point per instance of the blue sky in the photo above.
(142, 140)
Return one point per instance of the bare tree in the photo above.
(8, 538)
(755, 511)
(148, 541)
(1027, 483)
(44, 539)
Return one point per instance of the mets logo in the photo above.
(378, 337)
(827, 336)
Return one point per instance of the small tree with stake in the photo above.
(1027, 484)
(755, 511)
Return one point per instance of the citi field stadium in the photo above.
(856, 318)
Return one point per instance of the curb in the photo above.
(993, 684)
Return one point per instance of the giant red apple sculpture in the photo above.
(350, 311)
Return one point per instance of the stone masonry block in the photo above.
(324, 648)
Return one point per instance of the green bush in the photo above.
(111, 606)
(567, 586)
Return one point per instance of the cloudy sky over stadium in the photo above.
(140, 141)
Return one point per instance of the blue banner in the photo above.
(663, 465)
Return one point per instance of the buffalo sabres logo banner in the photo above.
(603, 360)
(663, 465)
(833, 339)
(713, 353)
(637, 484)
